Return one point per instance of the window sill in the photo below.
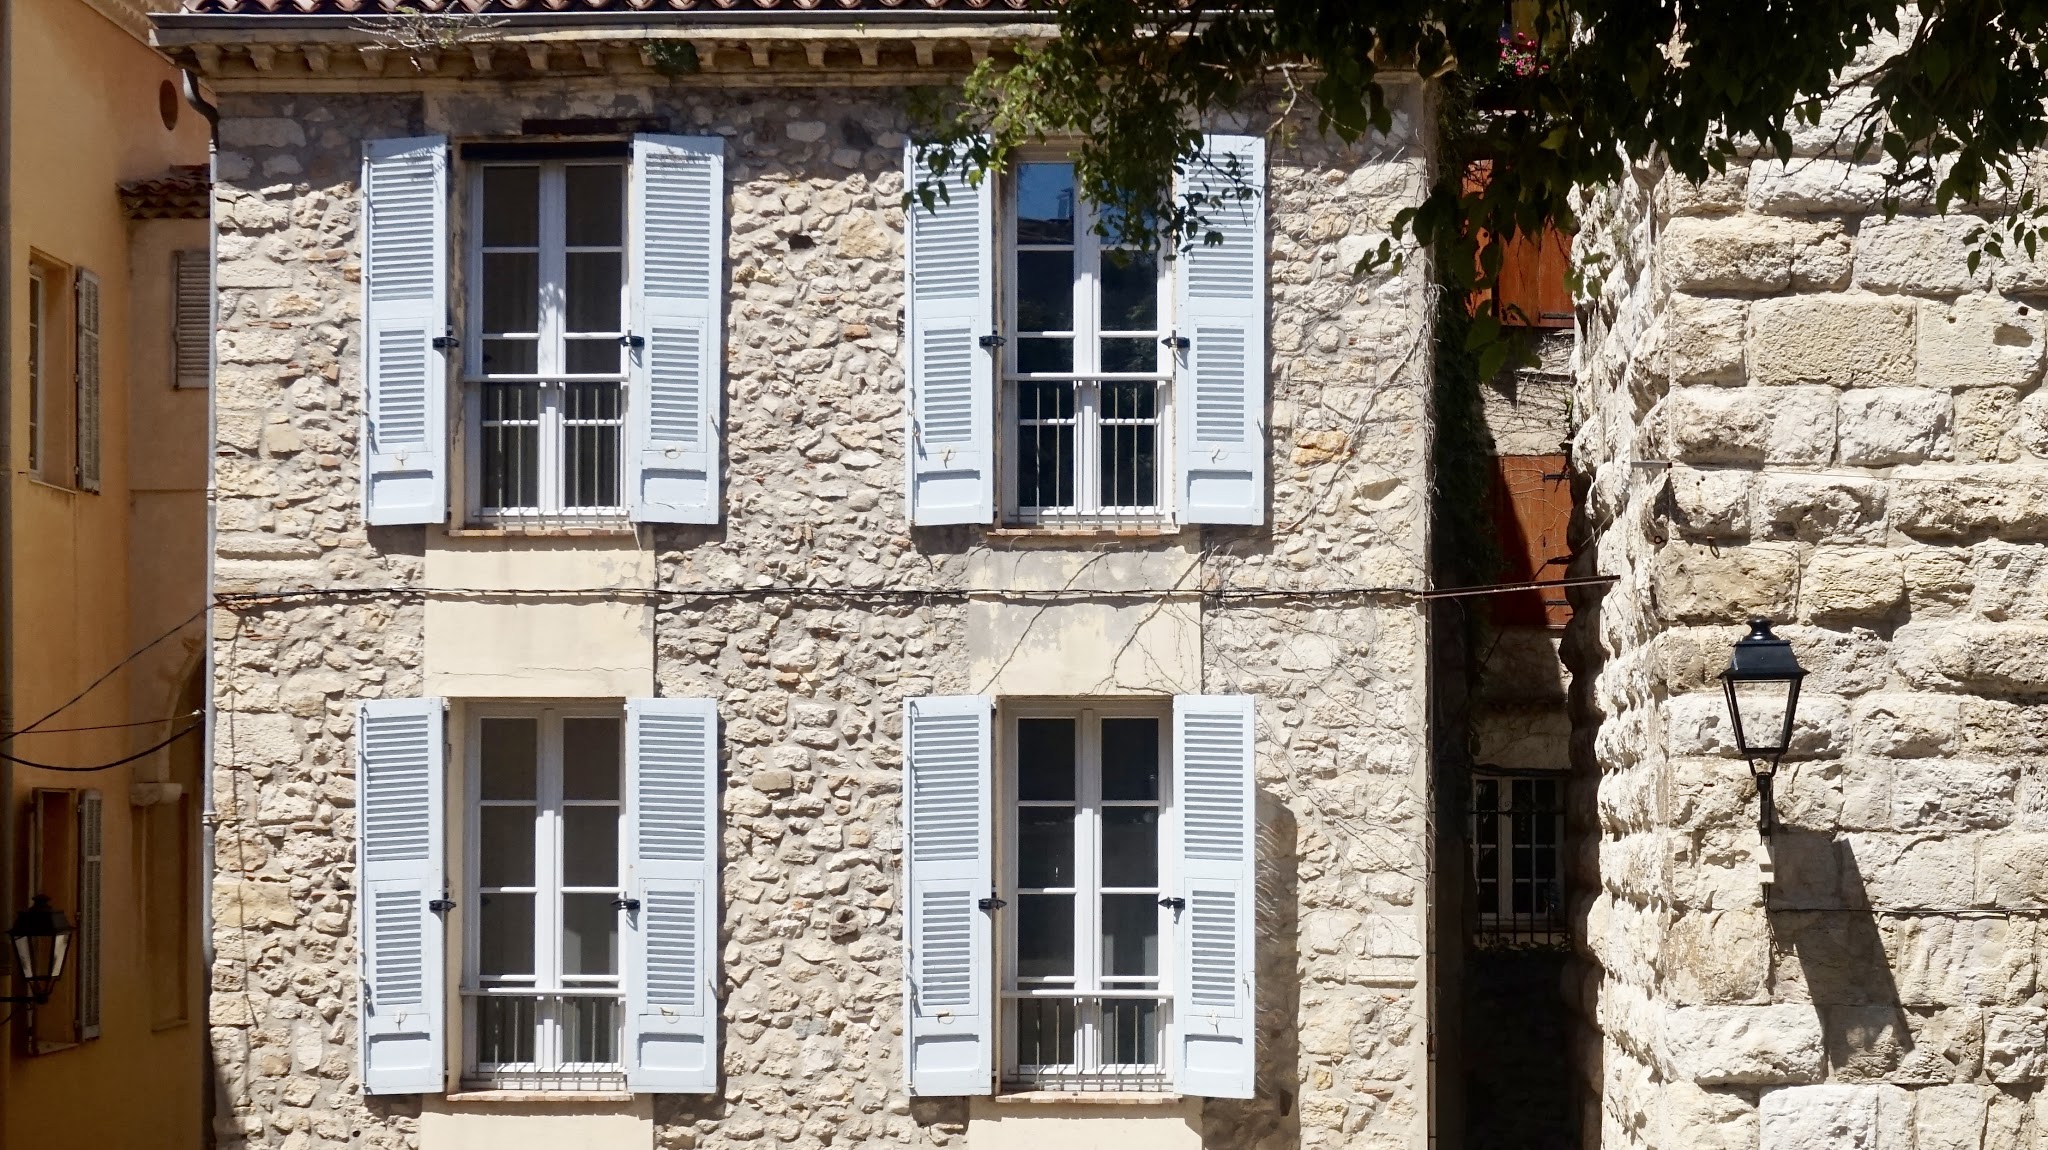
(620, 530)
(1081, 530)
(528, 1096)
(1087, 1097)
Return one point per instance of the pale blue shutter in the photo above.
(678, 371)
(1221, 454)
(671, 938)
(951, 306)
(400, 762)
(949, 958)
(1215, 851)
(405, 308)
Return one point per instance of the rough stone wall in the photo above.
(1794, 407)
(811, 685)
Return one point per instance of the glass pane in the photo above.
(1130, 846)
(1045, 847)
(1130, 354)
(508, 758)
(511, 453)
(1045, 936)
(590, 846)
(1046, 1029)
(594, 279)
(505, 935)
(1130, 759)
(511, 292)
(590, 445)
(595, 205)
(591, 356)
(1130, 935)
(590, 1029)
(1048, 355)
(590, 758)
(505, 846)
(1045, 203)
(1762, 710)
(505, 1028)
(1045, 291)
(590, 929)
(1130, 1031)
(511, 207)
(511, 357)
(1045, 760)
(1130, 291)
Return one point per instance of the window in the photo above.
(546, 380)
(52, 394)
(1517, 831)
(1088, 361)
(191, 319)
(544, 994)
(66, 841)
(1085, 997)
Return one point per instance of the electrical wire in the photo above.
(141, 754)
(110, 726)
(137, 653)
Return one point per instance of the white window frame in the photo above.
(1090, 1074)
(548, 1071)
(551, 337)
(38, 367)
(1088, 510)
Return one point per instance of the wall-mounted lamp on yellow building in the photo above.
(42, 939)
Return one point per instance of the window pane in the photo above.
(511, 357)
(1130, 846)
(1046, 1030)
(1130, 1031)
(593, 299)
(1045, 936)
(592, 356)
(505, 935)
(1045, 453)
(1129, 466)
(508, 758)
(590, 929)
(1130, 354)
(1045, 203)
(1045, 760)
(1047, 355)
(590, 758)
(590, 846)
(505, 846)
(511, 292)
(596, 205)
(1045, 291)
(1130, 291)
(590, 445)
(590, 1029)
(511, 207)
(1045, 847)
(1130, 935)
(505, 1028)
(511, 453)
(1130, 759)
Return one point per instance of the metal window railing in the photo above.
(1105, 1043)
(1087, 452)
(556, 1040)
(1517, 836)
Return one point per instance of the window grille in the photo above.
(1517, 837)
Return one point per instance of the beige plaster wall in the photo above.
(502, 1124)
(487, 641)
(1010, 1124)
(1134, 642)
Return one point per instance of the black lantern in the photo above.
(1762, 682)
(42, 940)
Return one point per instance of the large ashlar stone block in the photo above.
(2014, 871)
(2016, 1044)
(1721, 192)
(1941, 961)
(1942, 503)
(1711, 503)
(1715, 957)
(1950, 1117)
(1947, 793)
(1908, 870)
(1979, 341)
(1887, 425)
(1746, 1045)
(1835, 1118)
(1989, 425)
(1906, 726)
(1751, 425)
(1843, 340)
(1921, 255)
(1702, 339)
(1988, 658)
(1702, 1119)
(1734, 253)
(1695, 584)
(1884, 1042)
(1698, 724)
(1937, 580)
(2009, 580)
(1823, 509)
(1846, 586)
(1800, 186)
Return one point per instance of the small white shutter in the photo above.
(191, 319)
(86, 371)
(678, 369)
(1222, 450)
(948, 960)
(1216, 851)
(405, 308)
(672, 937)
(401, 753)
(91, 910)
(951, 306)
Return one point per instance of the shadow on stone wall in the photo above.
(1827, 948)
(1270, 1118)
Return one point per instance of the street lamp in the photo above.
(42, 940)
(1762, 682)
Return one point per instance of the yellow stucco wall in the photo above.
(97, 575)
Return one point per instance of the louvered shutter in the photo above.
(1221, 456)
(1216, 852)
(672, 938)
(89, 954)
(86, 374)
(948, 961)
(405, 307)
(191, 319)
(401, 752)
(952, 377)
(678, 371)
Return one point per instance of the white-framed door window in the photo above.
(1087, 359)
(1085, 868)
(545, 355)
(542, 974)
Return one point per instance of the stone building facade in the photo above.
(799, 616)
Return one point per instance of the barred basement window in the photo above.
(1517, 835)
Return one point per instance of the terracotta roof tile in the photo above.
(184, 193)
(379, 7)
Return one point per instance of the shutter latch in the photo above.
(636, 342)
(624, 903)
(1176, 905)
(445, 341)
(992, 902)
(441, 905)
(1176, 341)
(992, 342)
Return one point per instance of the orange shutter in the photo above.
(1532, 513)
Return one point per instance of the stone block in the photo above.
(1821, 509)
(1947, 793)
(1937, 580)
(1744, 1045)
(1849, 586)
(253, 905)
(1899, 870)
(1978, 341)
(1823, 260)
(1950, 1117)
(1694, 584)
(2016, 1045)
(1843, 340)
(2009, 580)
(1986, 658)
(1943, 961)
(1886, 425)
(1702, 1119)
(1834, 1118)
(1850, 661)
(1737, 253)
(1827, 957)
(2014, 871)
(1751, 425)
(1702, 339)
(1906, 726)
(1919, 255)
(1715, 957)
(1989, 425)
(1813, 185)
(2010, 502)
(1719, 193)
(1710, 503)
